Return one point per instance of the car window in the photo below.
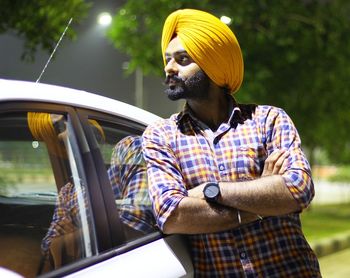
(44, 209)
(126, 169)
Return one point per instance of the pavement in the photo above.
(336, 265)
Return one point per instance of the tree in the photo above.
(40, 22)
(296, 52)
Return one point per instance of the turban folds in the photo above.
(209, 42)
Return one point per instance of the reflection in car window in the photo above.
(127, 174)
(40, 230)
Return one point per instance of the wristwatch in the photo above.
(211, 192)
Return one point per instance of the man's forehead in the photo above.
(175, 53)
(174, 46)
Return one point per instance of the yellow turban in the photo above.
(209, 42)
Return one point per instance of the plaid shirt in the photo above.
(66, 209)
(182, 153)
(128, 177)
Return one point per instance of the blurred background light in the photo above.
(104, 19)
(225, 19)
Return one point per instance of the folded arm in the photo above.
(196, 216)
(237, 204)
(265, 196)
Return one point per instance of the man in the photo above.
(232, 177)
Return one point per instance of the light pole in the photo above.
(139, 88)
(104, 19)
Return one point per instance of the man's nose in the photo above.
(171, 67)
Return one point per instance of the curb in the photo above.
(331, 245)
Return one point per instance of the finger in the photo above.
(273, 157)
(69, 227)
(282, 163)
(284, 166)
(279, 162)
(59, 229)
(63, 225)
(271, 160)
(278, 154)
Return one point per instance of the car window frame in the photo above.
(127, 125)
(83, 161)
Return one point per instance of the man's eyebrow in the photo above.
(176, 53)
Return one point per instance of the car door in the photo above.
(66, 204)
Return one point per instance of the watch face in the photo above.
(211, 191)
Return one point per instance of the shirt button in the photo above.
(242, 255)
(221, 167)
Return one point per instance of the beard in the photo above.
(195, 87)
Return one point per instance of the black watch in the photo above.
(211, 192)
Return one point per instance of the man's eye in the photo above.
(183, 60)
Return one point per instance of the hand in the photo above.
(65, 246)
(65, 226)
(276, 163)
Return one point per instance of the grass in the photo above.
(15, 171)
(15, 175)
(10, 177)
(323, 221)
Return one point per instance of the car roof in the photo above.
(16, 90)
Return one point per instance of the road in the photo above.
(336, 265)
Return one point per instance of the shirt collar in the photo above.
(185, 113)
(233, 111)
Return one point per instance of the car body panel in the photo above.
(13, 90)
(155, 260)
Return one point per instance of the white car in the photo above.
(69, 204)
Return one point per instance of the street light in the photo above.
(225, 19)
(104, 19)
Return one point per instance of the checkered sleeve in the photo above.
(166, 187)
(128, 176)
(282, 134)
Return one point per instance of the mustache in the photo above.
(174, 78)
